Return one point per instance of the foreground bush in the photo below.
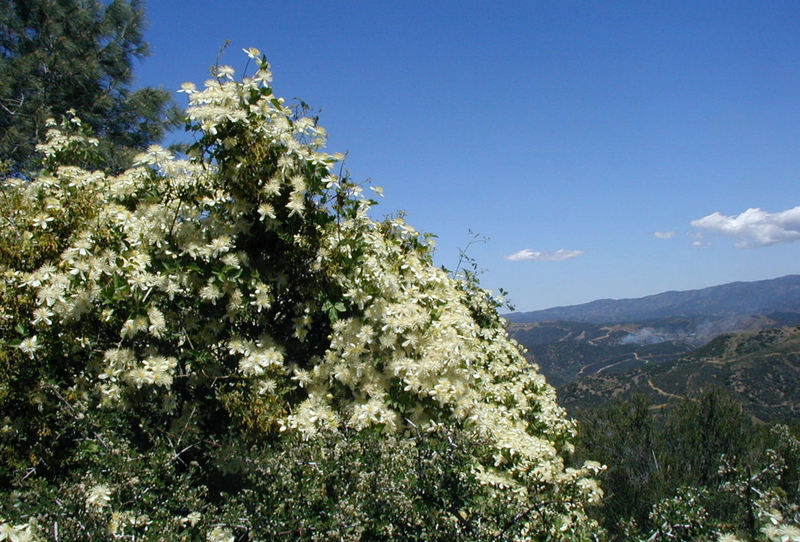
(230, 347)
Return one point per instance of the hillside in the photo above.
(760, 369)
(565, 351)
(727, 300)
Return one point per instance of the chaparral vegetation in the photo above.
(228, 347)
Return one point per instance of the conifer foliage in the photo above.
(60, 55)
(229, 347)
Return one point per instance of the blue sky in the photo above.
(606, 149)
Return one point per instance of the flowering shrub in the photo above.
(243, 299)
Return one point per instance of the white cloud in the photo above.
(664, 234)
(537, 256)
(754, 227)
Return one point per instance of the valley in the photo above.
(754, 357)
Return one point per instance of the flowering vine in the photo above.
(249, 279)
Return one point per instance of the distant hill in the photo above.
(727, 300)
(760, 369)
(565, 351)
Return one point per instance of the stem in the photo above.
(75, 413)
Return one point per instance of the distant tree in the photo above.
(623, 436)
(699, 433)
(61, 55)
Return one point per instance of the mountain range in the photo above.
(728, 300)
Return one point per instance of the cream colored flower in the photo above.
(98, 497)
(220, 534)
(252, 52)
(30, 345)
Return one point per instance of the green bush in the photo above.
(699, 471)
